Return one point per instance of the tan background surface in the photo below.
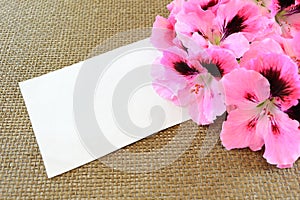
(37, 37)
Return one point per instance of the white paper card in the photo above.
(92, 108)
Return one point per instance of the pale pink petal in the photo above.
(163, 33)
(165, 92)
(245, 88)
(195, 45)
(204, 99)
(168, 77)
(166, 82)
(237, 43)
(238, 130)
(197, 115)
(282, 140)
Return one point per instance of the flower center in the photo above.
(196, 88)
(268, 107)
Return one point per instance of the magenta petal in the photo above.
(239, 130)
(282, 144)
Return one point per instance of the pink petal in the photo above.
(282, 144)
(194, 5)
(294, 21)
(199, 22)
(282, 74)
(229, 10)
(245, 88)
(274, 7)
(237, 43)
(285, 166)
(254, 22)
(175, 6)
(223, 59)
(296, 46)
(265, 46)
(239, 130)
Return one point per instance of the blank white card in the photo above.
(92, 108)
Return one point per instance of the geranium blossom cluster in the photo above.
(239, 57)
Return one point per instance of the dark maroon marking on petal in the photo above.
(183, 47)
(235, 25)
(292, 10)
(275, 128)
(279, 87)
(200, 33)
(251, 124)
(213, 68)
(285, 3)
(210, 4)
(294, 112)
(221, 70)
(184, 69)
(251, 97)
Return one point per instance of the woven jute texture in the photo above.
(37, 37)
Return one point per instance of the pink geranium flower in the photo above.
(239, 55)
(282, 74)
(190, 82)
(287, 15)
(257, 121)
(232, 26)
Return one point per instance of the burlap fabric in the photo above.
(38, 37)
